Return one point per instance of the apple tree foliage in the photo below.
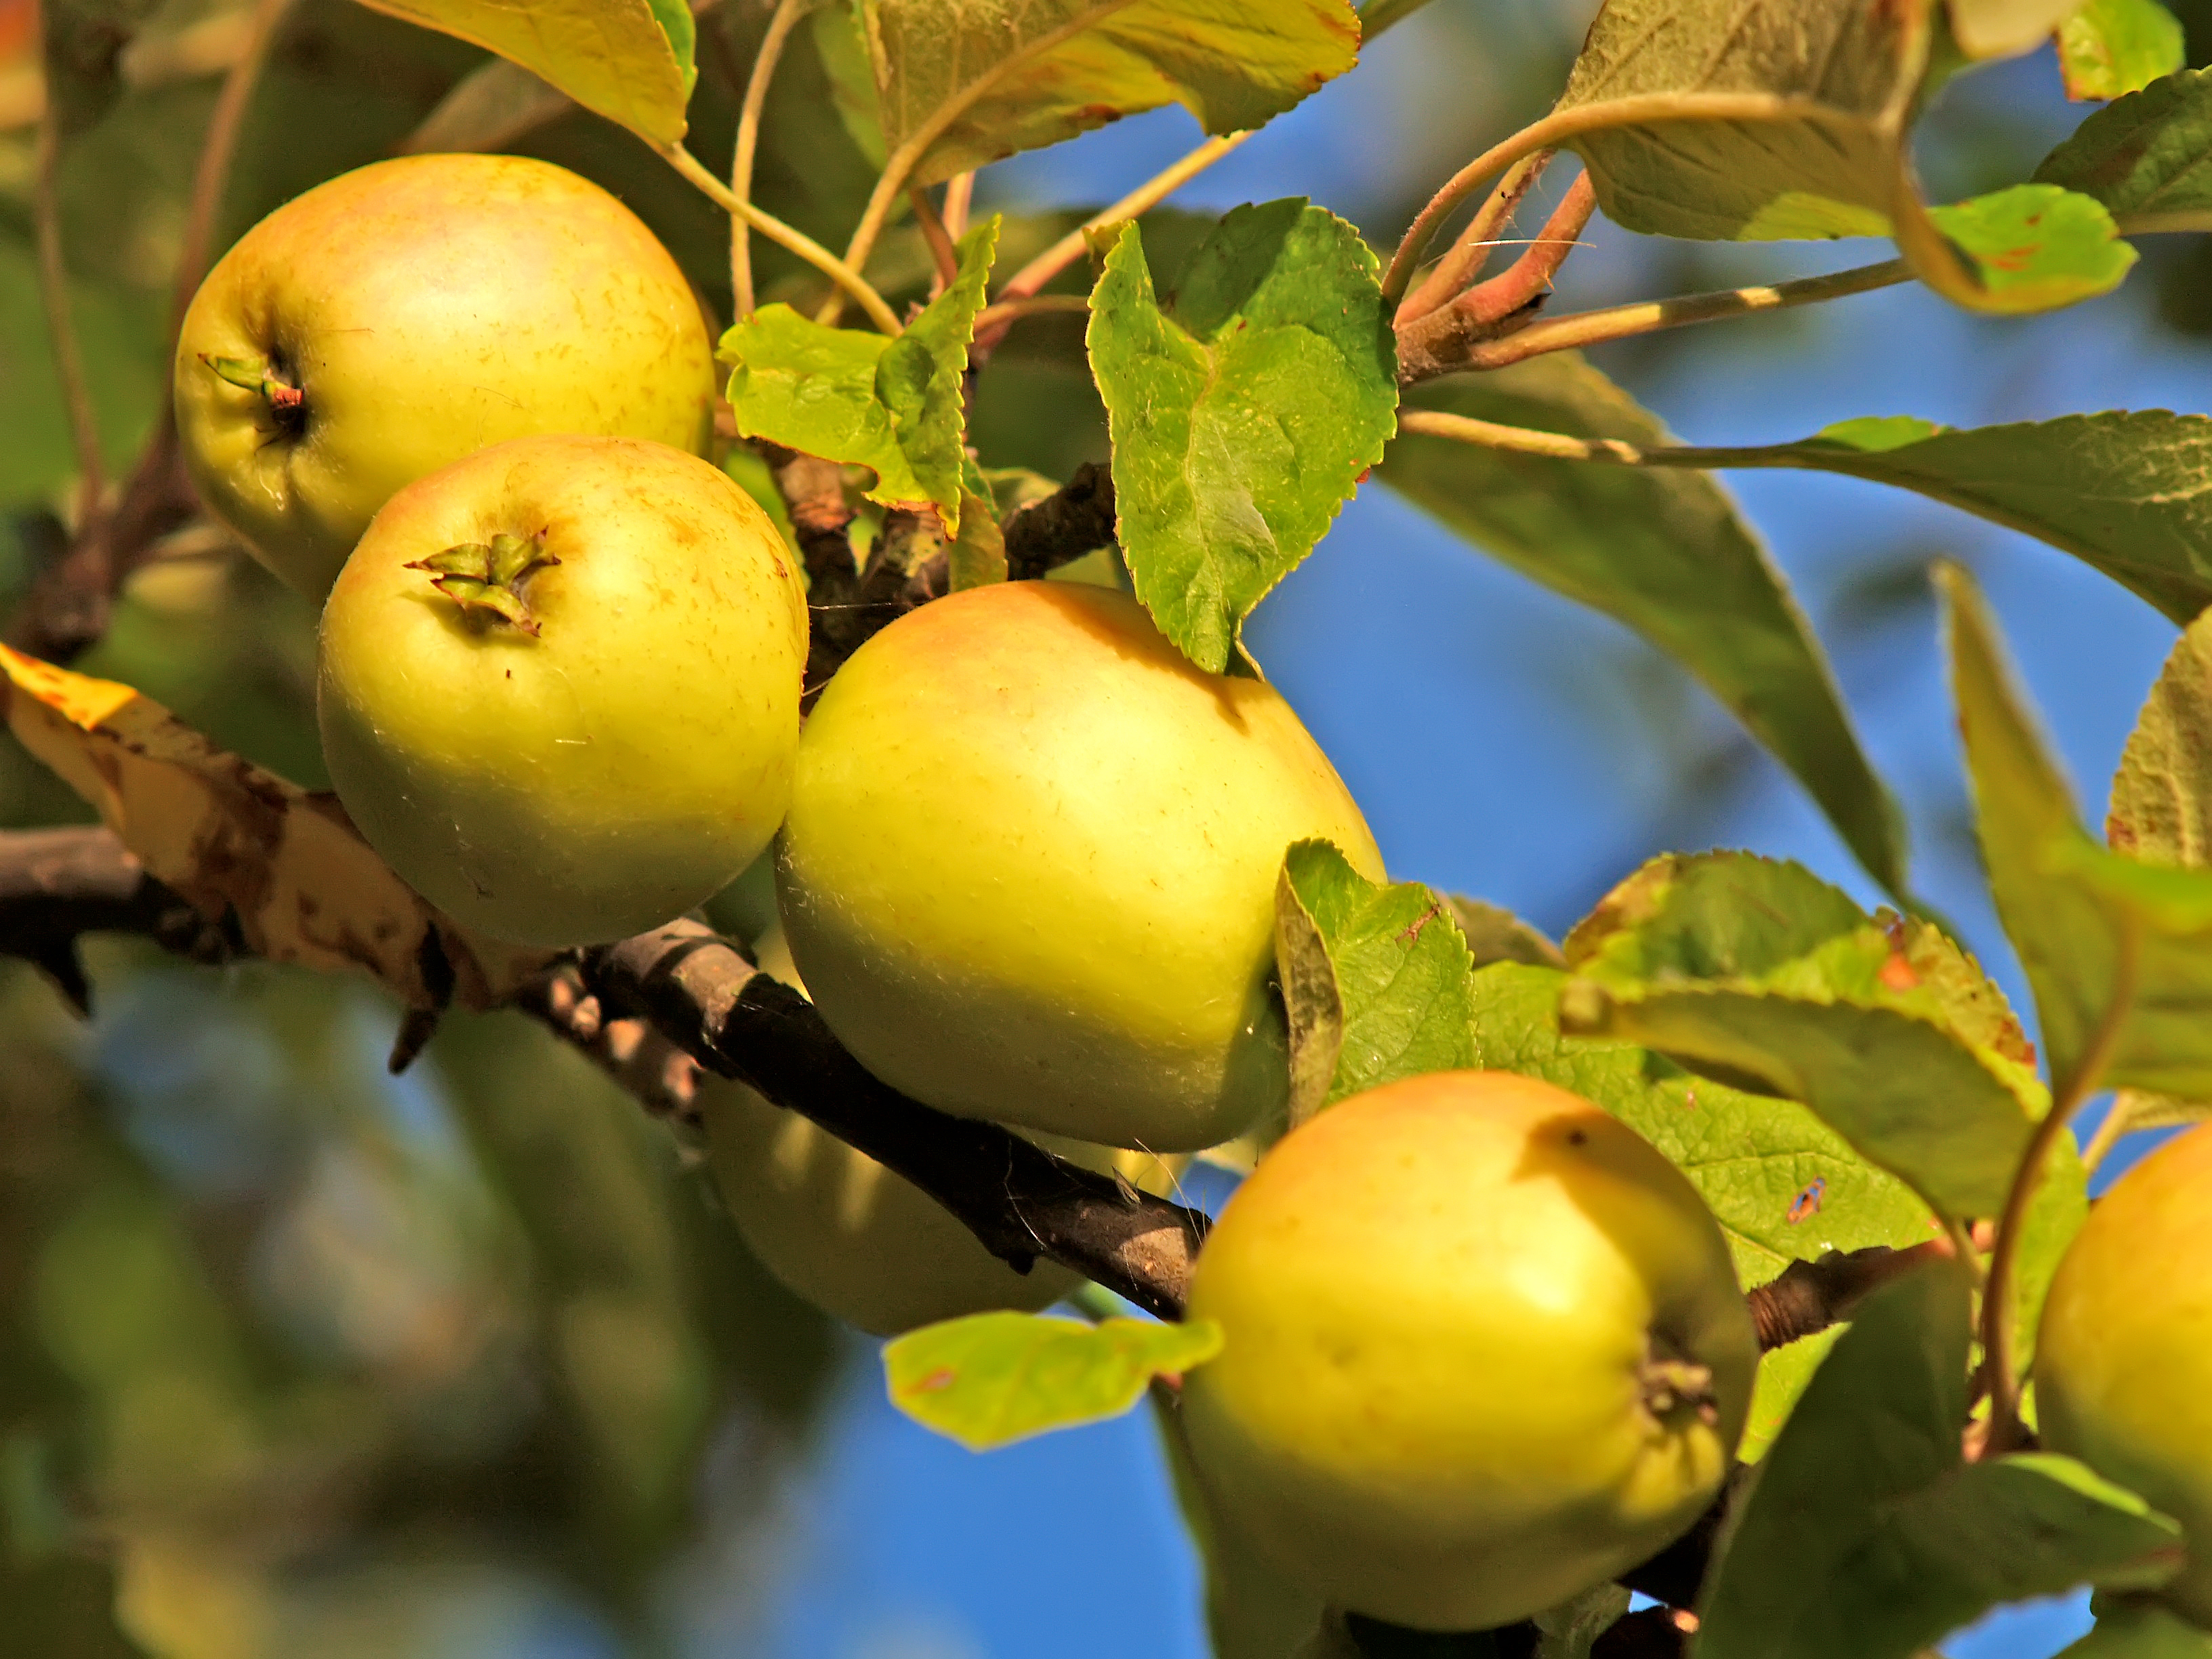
(1830, 1079)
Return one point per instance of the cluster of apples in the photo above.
(1485, 1347)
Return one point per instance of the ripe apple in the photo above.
(848, 1235)
(405, 314)
(559, 685)
(1030, 868)
(1484, 1349)
(2123, 1353)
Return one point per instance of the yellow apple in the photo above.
(394, 319)
(1030, 868)
(848, 1235)
(1484, 1349)
(2123, 1353)
(559, 685)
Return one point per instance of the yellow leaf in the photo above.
(226, 836)
(613, 57)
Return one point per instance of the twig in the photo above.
(218, 148)
(1587, 328)
(942, 253)
(1441, 339)
(844, 275)
(682, 993)
(57, 885)
(1549, 134)
(1811, 1296)
(659, 1075)
(2000, 1330)
(959, 197)
(61, 326)
(1467, 256)
(67, 608)
(1071, 247)
(1020, 1201)
(788, 14)
(1075, 519)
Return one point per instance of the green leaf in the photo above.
(964, 82)
(1756, 973)
(994, 1378)
(1866, 1537)
(2037, 247)
(848, 395)
(2147, 158)
(1821, 92)
(2119, 952)
(619, 58)
(1375, 979)
(2133, 1628)
(1664, 553)
(976, 556)
(1783, 1185)
(2107, 48)
(2128, 491)
(2004, 28)
(1242, 409)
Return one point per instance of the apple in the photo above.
(852, 1237)
(1484, 1348)
(558, 685)
(404, 315)
(2123, 1353)
(1029, 869)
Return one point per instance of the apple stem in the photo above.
(485, 579)
(258, 374)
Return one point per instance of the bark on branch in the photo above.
(1077, 518)
(648, 1008)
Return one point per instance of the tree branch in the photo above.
(681, 995)
(1442, 339)
(1811, 1296)
(1076, 519)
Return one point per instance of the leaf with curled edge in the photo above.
(1375, 979)
(1755, 972)
(628, 60)
(2108, 48)
(963, 83)
(1755, 120)
(228, 836)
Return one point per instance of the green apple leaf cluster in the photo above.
(893, 406)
